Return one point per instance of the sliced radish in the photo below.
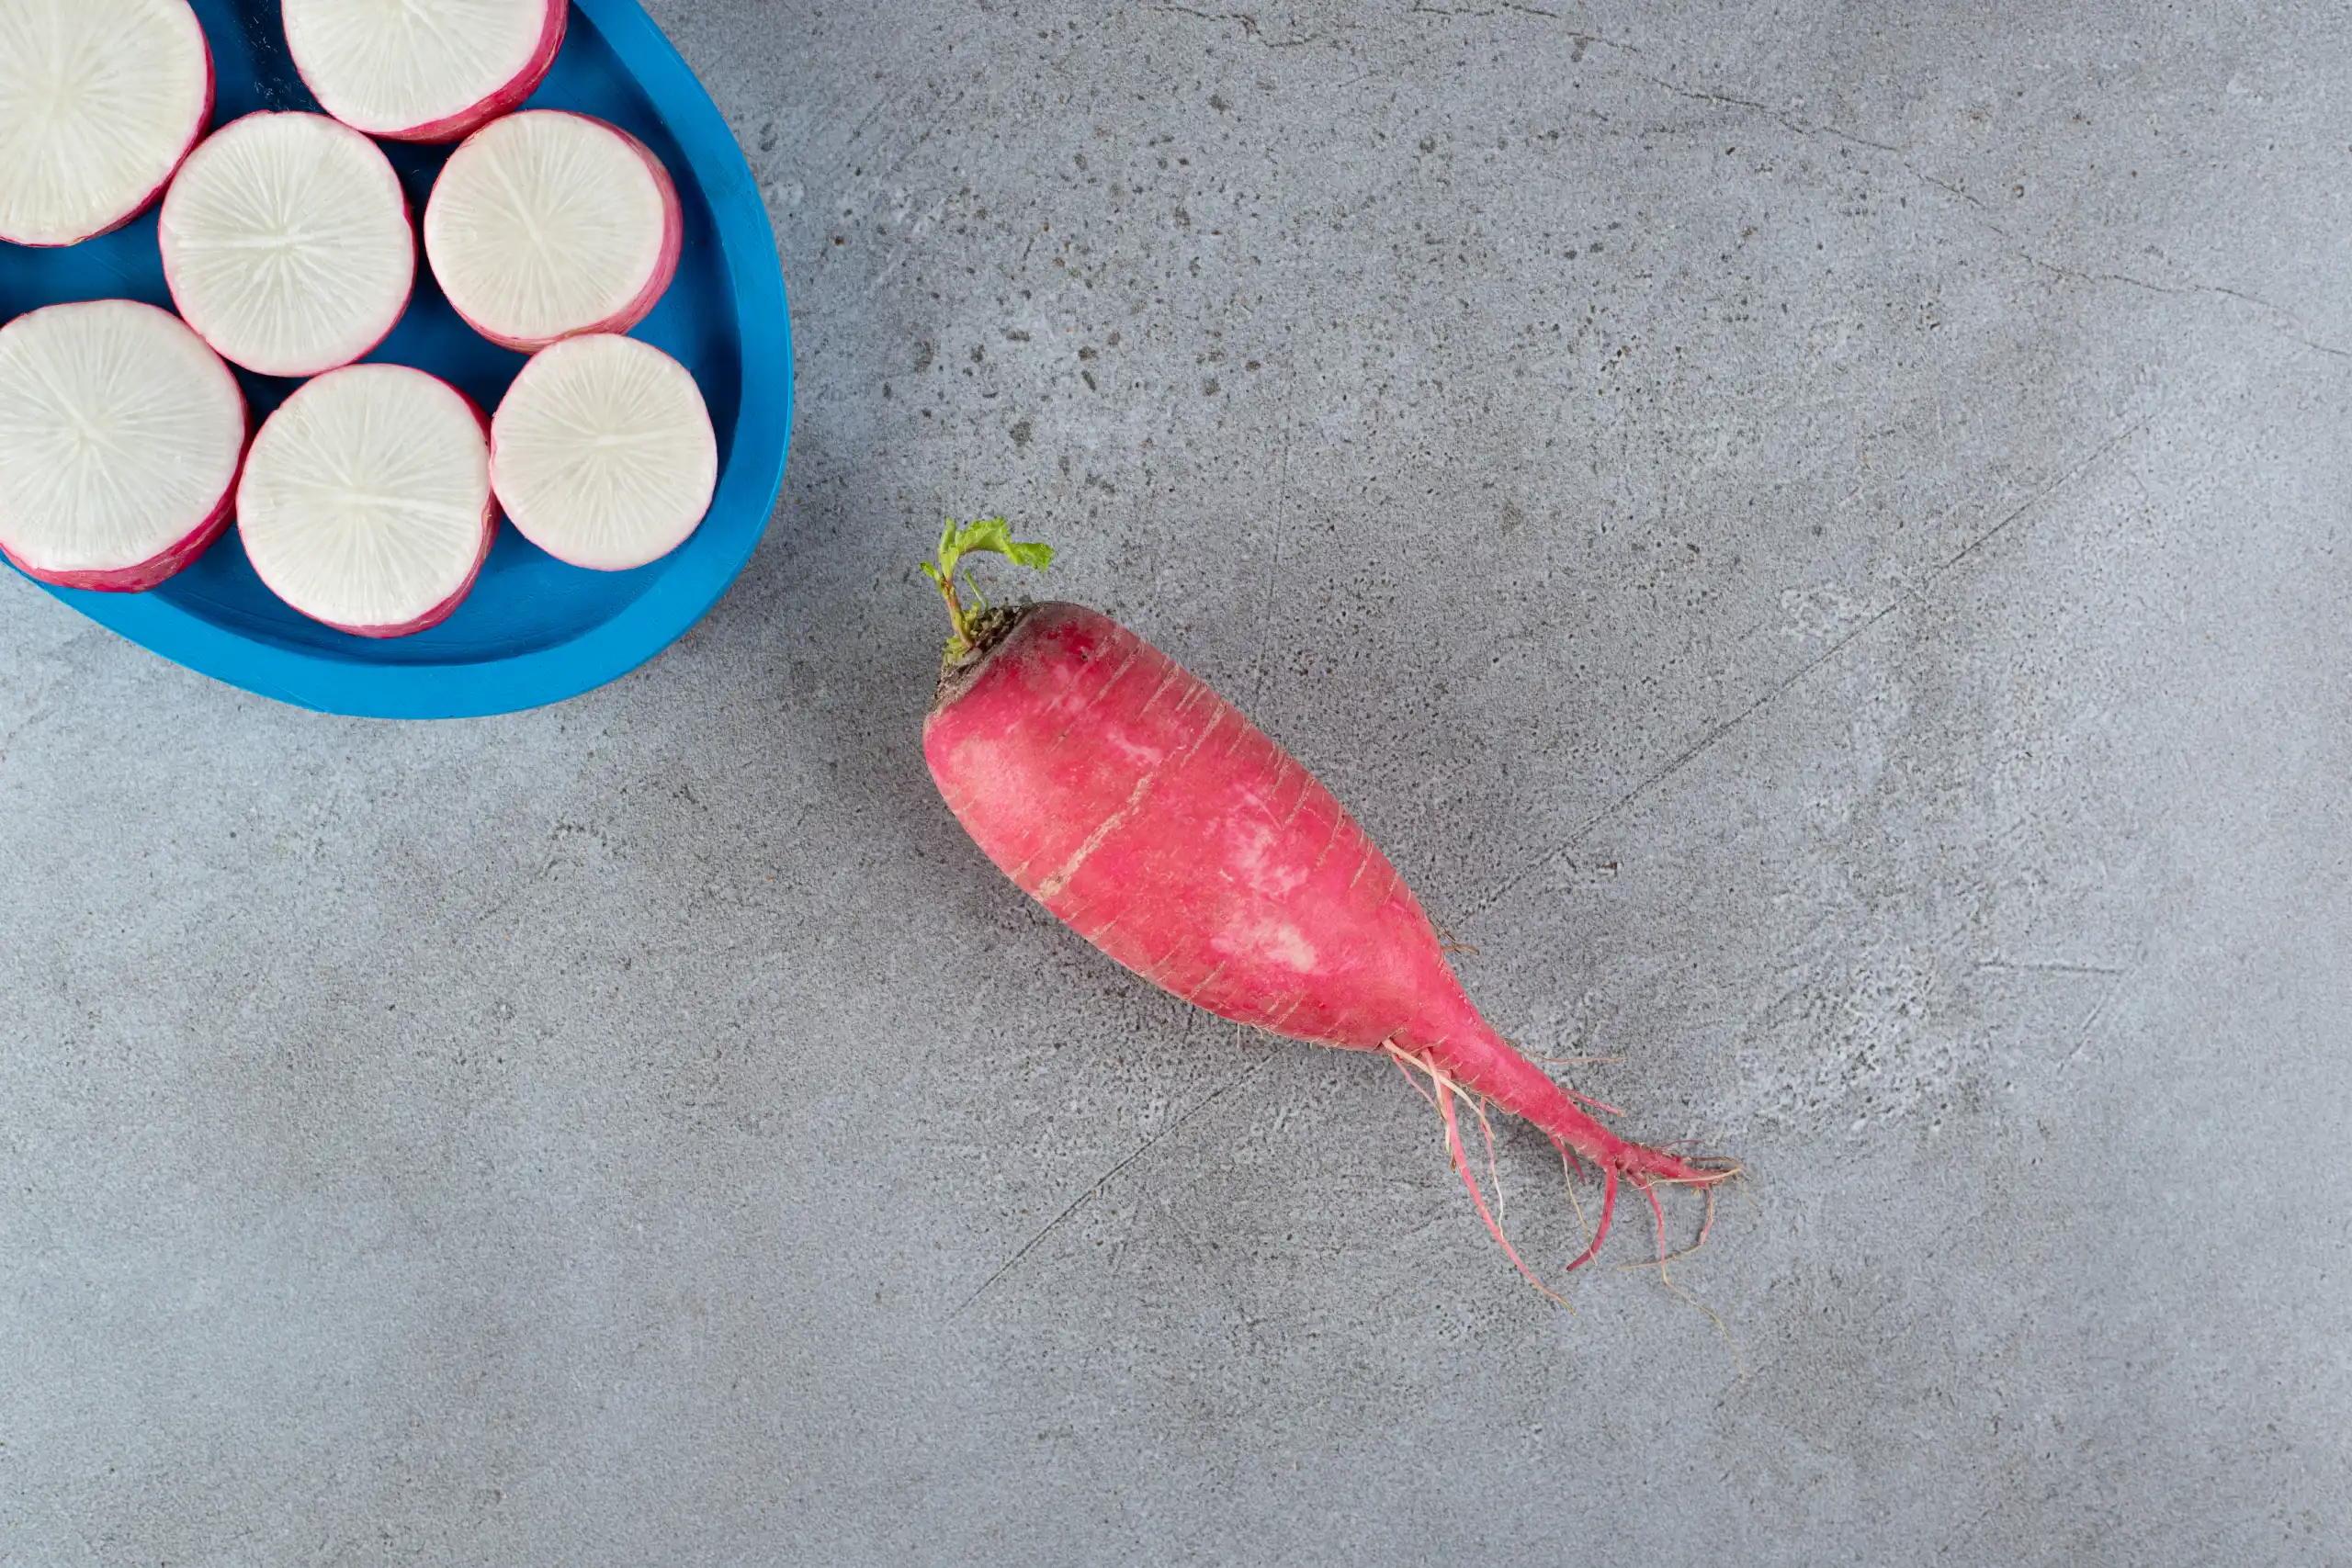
(100, 101)
(286, 243)
(423, 70)
(548, 224)
(602, 452)
(119, 437)
(366, 501)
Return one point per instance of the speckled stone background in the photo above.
(1817, 535)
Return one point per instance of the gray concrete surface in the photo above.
(1815, 534)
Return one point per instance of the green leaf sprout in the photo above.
(985, 535)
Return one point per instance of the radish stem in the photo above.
(985, 535)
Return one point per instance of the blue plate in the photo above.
(534, 630)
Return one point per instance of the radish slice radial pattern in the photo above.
(602, 452)
(547, 224)
(423, 70)
(100, 101)
(366, 501)
(119, 437)
(286, 243)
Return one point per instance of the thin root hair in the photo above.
(1442, 1089)
(1441, 1092)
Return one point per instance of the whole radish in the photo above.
(1160, 824)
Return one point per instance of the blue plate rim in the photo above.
(680, 597)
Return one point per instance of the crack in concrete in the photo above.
(1095, 1187)
(1250, 26)
(1582, 39)
(1787, 122)
(2294, 330)
(1419, 9)
(1908, 594)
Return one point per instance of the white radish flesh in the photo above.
(286, 243)
(119, 437)
(548, 224)
(366, 501)
(100, 101)
(423, 70)
(602, 452)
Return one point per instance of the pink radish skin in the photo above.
(159, 568)
(666, 270)
(1163, 827)
(192, 254)
(440, 613)
(448, 607)
(147, 573)
(602, 452)
(195, 134)
(211, 85)
(153, 197)
(639, 305)
(350, 470)
(506, 98)
(154, 414)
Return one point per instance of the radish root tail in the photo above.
(1440, 1092)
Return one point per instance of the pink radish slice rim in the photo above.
(121, 435)
(424, 70)
(287, 244)
(548, 224)
(366, 503)
(100, 101)
(602, 452)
